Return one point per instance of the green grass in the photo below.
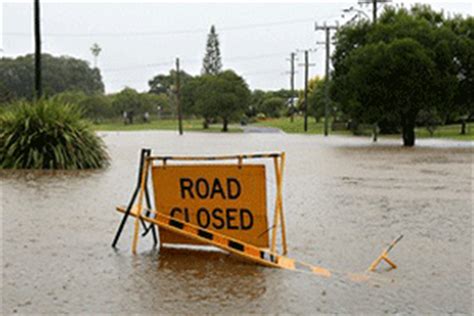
(448, 131)
(189, 125)
(297, 126)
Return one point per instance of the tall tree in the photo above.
(59, 74)
(225, 95)
(162, 83)
(426, 77)
(464, 64)
(95, 50)
(391, 79)
(316, 97)
(212, 64)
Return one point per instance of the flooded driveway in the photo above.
(344, 200)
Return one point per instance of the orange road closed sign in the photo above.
(228, 199)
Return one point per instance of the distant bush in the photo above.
(95, 107)
(273, 107)
(48, 135)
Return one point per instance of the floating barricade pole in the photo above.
(384, 255)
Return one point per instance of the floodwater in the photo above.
(345, 199)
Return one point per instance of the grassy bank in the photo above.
(297, 126)
(448, 131)
(194, 125)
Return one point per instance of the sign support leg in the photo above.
(148, 212)
(280, 202)
(139, 206)
(278, 215)
(275, 215)
(144, 153)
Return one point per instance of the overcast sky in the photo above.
(140, 40)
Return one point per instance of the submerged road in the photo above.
(261, 129)
(344, 199)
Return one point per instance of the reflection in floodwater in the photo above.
(344, 200)
(200, 274)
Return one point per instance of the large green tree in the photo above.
(316, 97)
(189, 95)
(464, 64)
(394, 79)
(135, 103)
(411, 53)
(212, 63)
(58, 74)
(163, 83)
(95, 107)
(223, 96)
(259, 102)
(257, 97)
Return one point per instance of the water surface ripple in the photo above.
(344, 199)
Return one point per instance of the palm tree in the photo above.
(95, 49)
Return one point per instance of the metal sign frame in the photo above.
(141, 195)
(267, 257)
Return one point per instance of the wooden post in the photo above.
(280, 194)
(278, 215)
(139, 207)
(276, 212)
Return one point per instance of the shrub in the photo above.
(273, 107)
(261, 116)
(48, 135)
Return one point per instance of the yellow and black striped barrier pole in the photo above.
(384, 255)
(242, 249)
(265, 257)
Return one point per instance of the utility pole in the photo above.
(38, 84)
(327, 29)
(374, 7)
(306, 78)
(292, 85)
(178, 101)
(306, 62)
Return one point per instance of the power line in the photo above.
(238, 58)
(160, 33)
(261, 72)
(165, 63)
